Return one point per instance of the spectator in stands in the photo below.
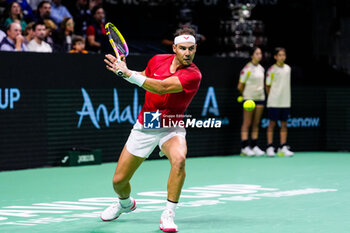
(34, 4)
(14, 41)
(38, 44)
(44, 11)
(59, 12)
(96, 39)
(51, 33)
(26, 9)
(81, 15)
(15, 14)
(78, 45)
(64, 39)
(28, 33)
(94, 3)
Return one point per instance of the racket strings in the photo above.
(117, 41)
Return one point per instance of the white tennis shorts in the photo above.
(141, 142)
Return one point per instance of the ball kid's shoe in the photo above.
(270, 151)
(257, 151)
(116, 209)
(247, 151)
(284, 151)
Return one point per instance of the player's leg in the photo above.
(270, 130)
(126, 167)
(255, 130)
(273, 117)
(283, 132)
(175, 149)
(247, 121)
(283, 149)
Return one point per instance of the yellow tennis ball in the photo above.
(249, 105)
(239, 99)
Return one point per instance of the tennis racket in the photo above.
(118, 43)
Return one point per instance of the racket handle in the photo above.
(119, 72)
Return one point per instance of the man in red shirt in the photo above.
(170, 81)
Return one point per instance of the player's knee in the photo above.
(179, 161)
(272, 124)
(283, 124)
(119, 180)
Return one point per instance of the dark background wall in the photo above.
(314, 32)
(51, 94)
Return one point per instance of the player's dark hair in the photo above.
(252, 50)
(278, 49)
(41, 4)
(38, 23)
(185, 31)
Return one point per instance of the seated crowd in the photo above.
(49, 26)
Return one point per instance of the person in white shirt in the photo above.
(251, 86)
(38, 44)
(278, 102)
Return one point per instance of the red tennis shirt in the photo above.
(170, 105)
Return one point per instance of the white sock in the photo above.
(125, 202)
(171, 206)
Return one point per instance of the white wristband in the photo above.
(136, 78)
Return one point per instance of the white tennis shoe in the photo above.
(247, 151)
(257, 151)
(270, 151)
(167, 221)
(115, 210)
(284, 151)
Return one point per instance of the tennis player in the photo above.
(251, 86)
(278, 102)
(170, 81)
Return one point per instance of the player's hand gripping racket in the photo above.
(118, 43)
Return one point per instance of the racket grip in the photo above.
(119, 72)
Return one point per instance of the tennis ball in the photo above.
(239, 99)
(249, 105)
